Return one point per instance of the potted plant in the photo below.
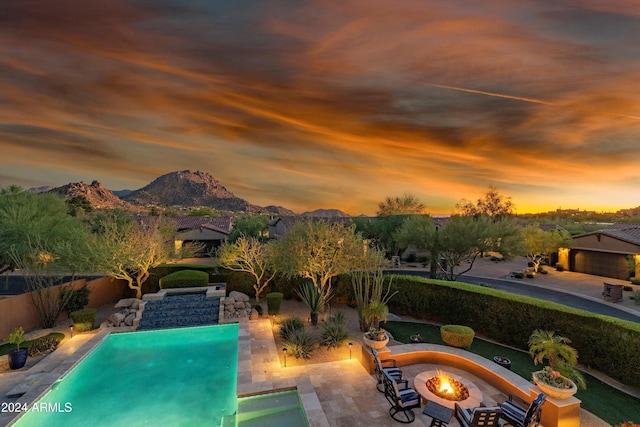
(376, 337)
(560, 379)
(502, 361)
(17, 356)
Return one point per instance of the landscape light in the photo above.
(284, 350)
(350, 347)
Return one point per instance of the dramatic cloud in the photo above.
(311, 104)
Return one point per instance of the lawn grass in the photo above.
(6, 348)
(602, 400)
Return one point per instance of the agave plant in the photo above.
(556, 349)
(315, 298)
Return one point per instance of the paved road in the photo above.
(521, 288)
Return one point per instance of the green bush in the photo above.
(274, 301)
(258, 308)
(185, 279)
(636, 297)
(530, 264)
(83, 320)
(289, 326)
(44, 345)
(300, 344)
(76, 299)
(334, 332)
(559, 267)
(518, 275)
(457, 335)
(531, 275)
(608, 345)
(627, 288)
(635, 280)
(542, 271)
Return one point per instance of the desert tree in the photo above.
(492, 204)
(537, 244)
(318, 250)
(406, 204)
(128, 250)
(248, 254)
(255, 226)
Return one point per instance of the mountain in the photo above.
(42, 189)
(277, 210)
(122, 193)
(95, 193)
(326, 213)
(186, 188)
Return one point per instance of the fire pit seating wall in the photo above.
(185, 279)
(457, 335)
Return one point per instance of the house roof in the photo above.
(629, 233)
(217, 223)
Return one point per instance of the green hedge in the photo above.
(83, 320)
(605, 344)
(185, 279)
(457, 336)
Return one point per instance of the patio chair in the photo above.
(402, 398)
(484, 416)
(519, 413)
(387, 366)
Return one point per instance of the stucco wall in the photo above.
(16, 311)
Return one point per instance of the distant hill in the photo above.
(42, 189)
(186, 188)
(326, 213)
(277, 210)
(95, 193)
(122, 193)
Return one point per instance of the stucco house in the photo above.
(210, 231)
(610, 252)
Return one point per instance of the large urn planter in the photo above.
(18, 358)
(375, 344)
(555, 392)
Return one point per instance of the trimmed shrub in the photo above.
(635, 280)
(530, 264)
(457, 335)
(518, 275)
(627, 288)
(531, 275)
(289, 326)
(300, 344)
(559, 267)
(636, 297)
(83, 320)
(274, 301)
(334, 332)
(185, 279)
(258, 308)
(77, 299)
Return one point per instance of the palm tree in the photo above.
(374, 312)
(556, 349)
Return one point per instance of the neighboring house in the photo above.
(210, 231)
(279, 226)
(605, 252)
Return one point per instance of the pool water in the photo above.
(272, 410)
(170, 377)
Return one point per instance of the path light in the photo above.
(71, 329)
(350, 347)
(284, 350)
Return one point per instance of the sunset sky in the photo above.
(328, 104)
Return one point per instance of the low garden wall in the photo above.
(18, 310)
(555, 413)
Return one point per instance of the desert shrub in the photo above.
(334, 332)
(274, 301)
(83, 320)
(627, 288)
(636, 297)
(559, 267)
(635, 280)
(44, 345)
(457, 335)
(289, 326)
(542, 270)
(75, 299)
(531, 275)
(518, 275)
(530, 264)
(258, 308)
(300, 344)
(185, 279)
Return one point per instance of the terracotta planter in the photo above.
(555, 392)
(376, 345)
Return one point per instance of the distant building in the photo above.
(611, 252)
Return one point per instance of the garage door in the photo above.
(600, 264)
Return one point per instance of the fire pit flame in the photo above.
(446, 387)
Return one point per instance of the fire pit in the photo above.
(454, 389)
(446, 387)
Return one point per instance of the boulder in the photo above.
(128, 321)
(228, 301)
(116, 318)
(254, 315)
(127, 302)
(239, 296)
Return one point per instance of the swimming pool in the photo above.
(274, 409)
(169, 377)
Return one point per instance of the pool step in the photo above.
(179, 310)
